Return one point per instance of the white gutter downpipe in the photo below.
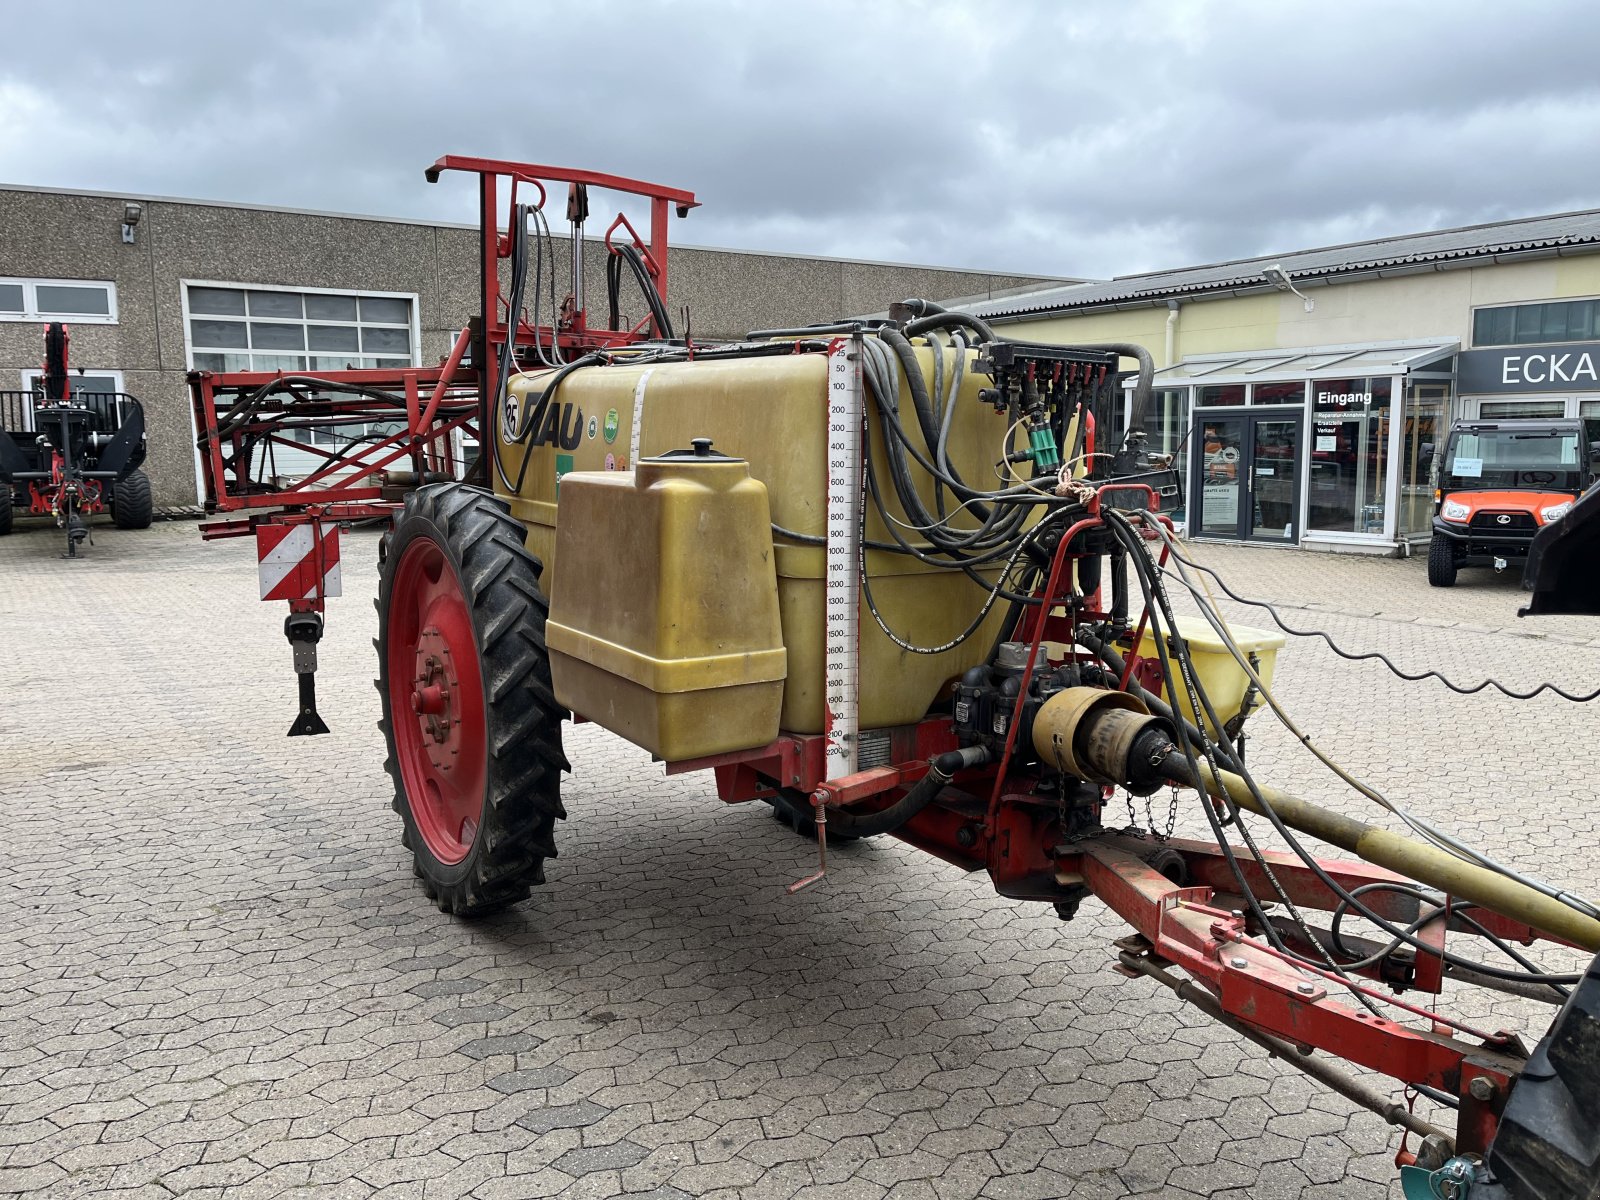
(1172, 330)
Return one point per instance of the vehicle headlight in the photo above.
(1454, 510)
(1555, 512)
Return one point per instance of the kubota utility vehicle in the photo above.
(883, 576)
(69, 455)
(1498, 484)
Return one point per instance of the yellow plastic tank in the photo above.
(664, 616)
(1219, 673)
(771, 411)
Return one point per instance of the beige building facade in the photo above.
(1302, 395)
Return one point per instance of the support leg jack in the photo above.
(304, 631)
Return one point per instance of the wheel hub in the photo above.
(432, 698)
(435, 691)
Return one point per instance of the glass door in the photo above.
(1248, 467)
(1274, 477)
(1221, 475)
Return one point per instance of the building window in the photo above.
(1222, 394)
(1589, 410)
(1427, 405)
(87, 302)
(1530, 324)
(1278, 393)
(231, 327)
(1349, 454)
(1516, 410)
(1169, 430)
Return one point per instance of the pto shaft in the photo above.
(1109, 737)
(1416, 860)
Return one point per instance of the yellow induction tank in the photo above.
(771, 412)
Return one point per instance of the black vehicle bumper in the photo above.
(1479, 547)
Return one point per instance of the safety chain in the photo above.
(1156, 759)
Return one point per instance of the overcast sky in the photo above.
(1073, 138)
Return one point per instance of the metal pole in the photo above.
(1413, 859)
(1330, 1076)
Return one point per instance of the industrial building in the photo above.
(1303, 393)
(151, 287)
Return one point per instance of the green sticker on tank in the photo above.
(613, 423)
(563, 465)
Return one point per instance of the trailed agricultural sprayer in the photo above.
(891, 578)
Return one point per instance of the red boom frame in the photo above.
(439, 403)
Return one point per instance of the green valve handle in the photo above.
(1043, 441)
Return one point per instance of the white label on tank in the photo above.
(841, 582)
(638, 418)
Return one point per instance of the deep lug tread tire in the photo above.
(484, 544)
(131, 504)
(6, 511)
(1442, 562)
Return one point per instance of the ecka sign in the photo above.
(1570, 367)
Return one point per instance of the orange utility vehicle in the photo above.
(1498, 484)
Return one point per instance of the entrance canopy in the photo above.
(1307, 362)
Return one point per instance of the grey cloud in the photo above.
(1090, 138)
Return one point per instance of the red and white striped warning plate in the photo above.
(298, 562)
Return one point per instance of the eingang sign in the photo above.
(1570, 367)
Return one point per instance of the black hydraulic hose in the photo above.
(798, 331)
(918, 386)
(1373, 655)
(614, 292)
(652, 296)
(1119, 587)
(1146, 586)
(1142, 390)
(1186, 770)
(952, 320)
(941, 771)
(489, 435)
(923, 308)
(897, 437)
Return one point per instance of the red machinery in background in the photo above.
(71, 455)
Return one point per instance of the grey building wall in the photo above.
(69, 235)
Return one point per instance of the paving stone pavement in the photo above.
(217, 977)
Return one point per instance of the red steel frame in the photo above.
(989, 819)
(438, 402)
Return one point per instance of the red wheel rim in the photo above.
(436, 701)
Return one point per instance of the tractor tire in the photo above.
(1442, 562)
(794, 809)
(471, 721)
(6, 511)
(131, 505)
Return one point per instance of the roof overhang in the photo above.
(1308, 362)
